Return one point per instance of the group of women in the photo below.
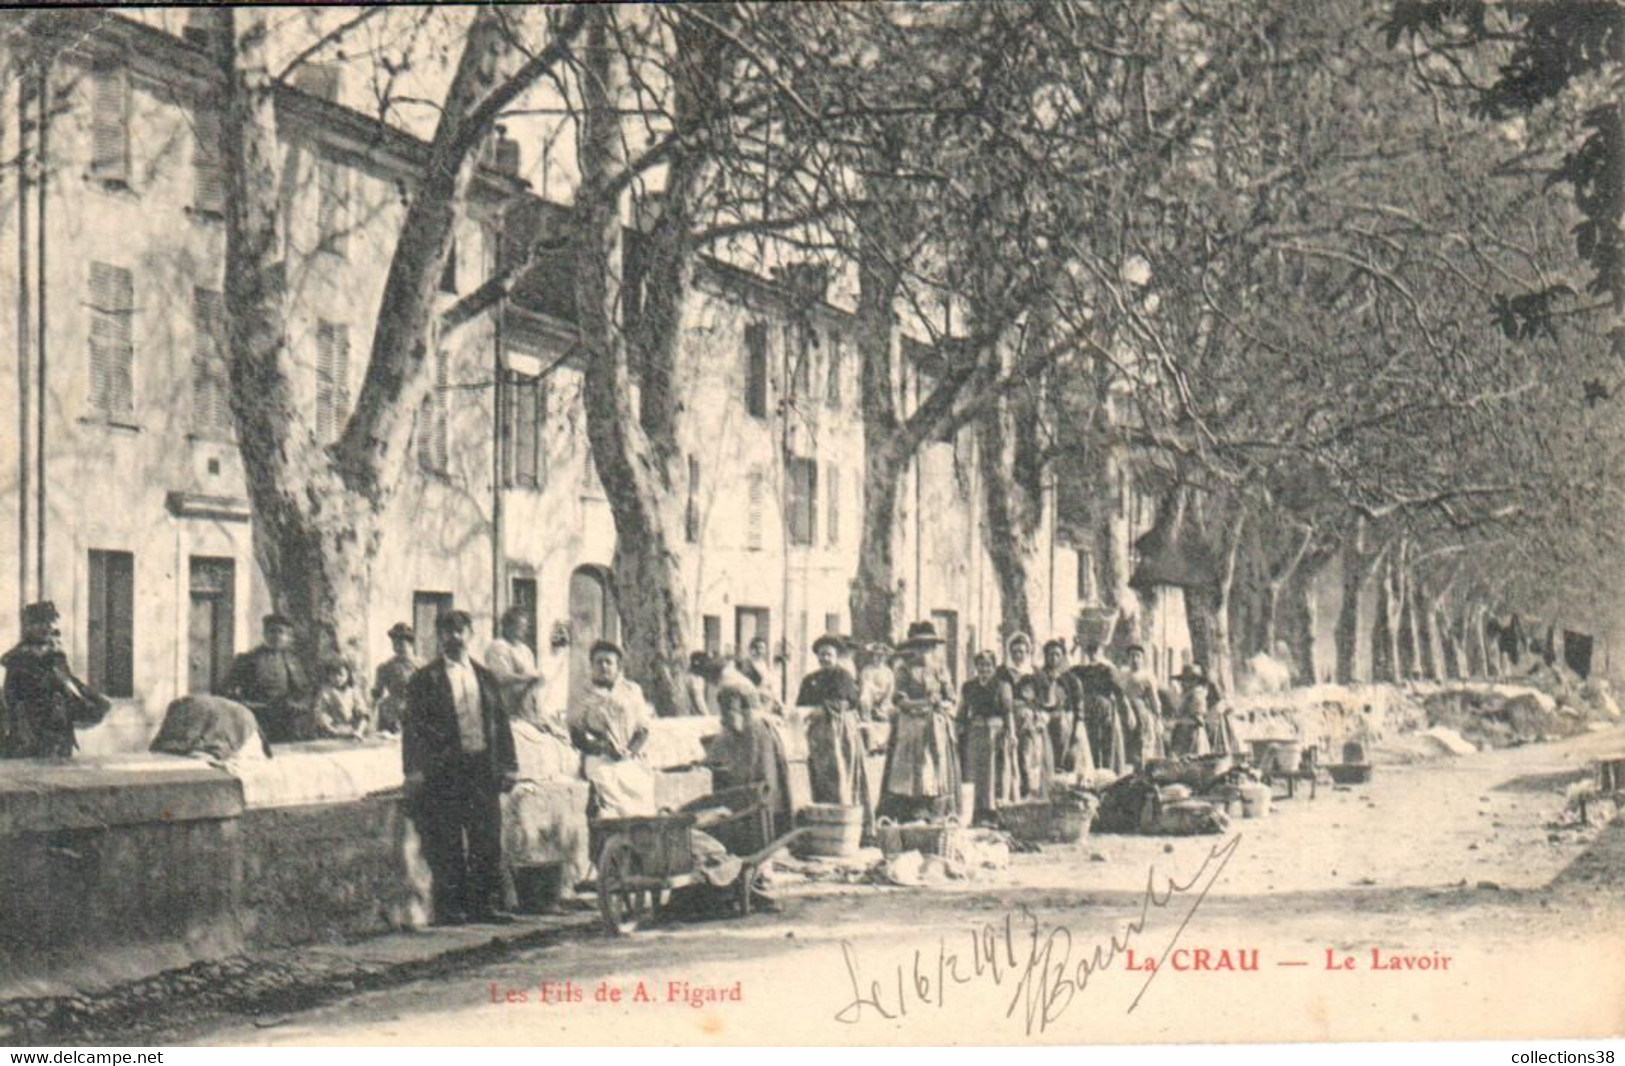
(1007, 730)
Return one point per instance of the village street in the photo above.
(1475, 870)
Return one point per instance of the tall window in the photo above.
(803, 516)
(332, 205)
(332, 379)
(691, 514)
(208, 179)
(832, 505)
(211, 382)
(711, 626)
(527, 418)
(112, 623)
(834, 358)
(427, 607)
(110, 122)
(756, 369)
(432, 419)
(1086, 577)
(758, 503)
(112, 350)
(799, 341)
(448, 276)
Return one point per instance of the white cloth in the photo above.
(625, 784)
(465, 696)
(514, 666)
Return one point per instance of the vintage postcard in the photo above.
(875, 524)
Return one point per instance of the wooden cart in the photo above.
(642, 861)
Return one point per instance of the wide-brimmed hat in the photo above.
(921, 635)
(605, 645)
(1192, 672)
(1058, 643)
(402, 631)
(280, 621)
(834, 640)
(878, 647)
(1134, 648)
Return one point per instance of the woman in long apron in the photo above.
(921, 778)
(988, 737)
(835, 751)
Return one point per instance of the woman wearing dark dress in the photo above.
(988, 736)
(835, 747)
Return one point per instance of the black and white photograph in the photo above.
(996, 522)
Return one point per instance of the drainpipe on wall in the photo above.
(24, 346)
(498, 518)
(41, 186)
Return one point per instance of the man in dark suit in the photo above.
(458, 754)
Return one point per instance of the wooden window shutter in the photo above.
(208, 177)
(832, 509)
(691, 514)
(758, 501)
(756, 369)
(110, 122)
(834, 355)
(332, 205)
(112, 350)
(211, 378)
(332, 380)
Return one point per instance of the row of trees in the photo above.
(1257, 258)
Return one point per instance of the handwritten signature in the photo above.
(1018, 949)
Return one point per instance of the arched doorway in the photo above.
(593, 616)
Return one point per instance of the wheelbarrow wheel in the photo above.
(622, 908)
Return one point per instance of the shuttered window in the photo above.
(691, 514)
(112, 349)
(332, 380)
(110, 122)
(431, 428)
(111, 643)
(208, 179)
(803, 516)
(526, 414)
(758, 502)
(832, 507)
(332, 206)
(211, 380)
(835, 359)
(756, 370)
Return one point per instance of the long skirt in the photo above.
(1069, 741)
(1105, 727)
(1035, 758)
(991, 764)
(1221, 733)
(1143, 742)
(835, 768)
(624, 788)
(1187, 738)
(921, 778)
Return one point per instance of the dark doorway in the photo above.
(211, 631)
(593, 617)
(427, 607)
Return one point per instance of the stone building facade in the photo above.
(122, 494)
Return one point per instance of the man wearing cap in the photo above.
(43, 700)
(835, 747)
(271, 683)
(458, 754)
(614, 727)
(391, 679)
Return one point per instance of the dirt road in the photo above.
(1435, 902)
